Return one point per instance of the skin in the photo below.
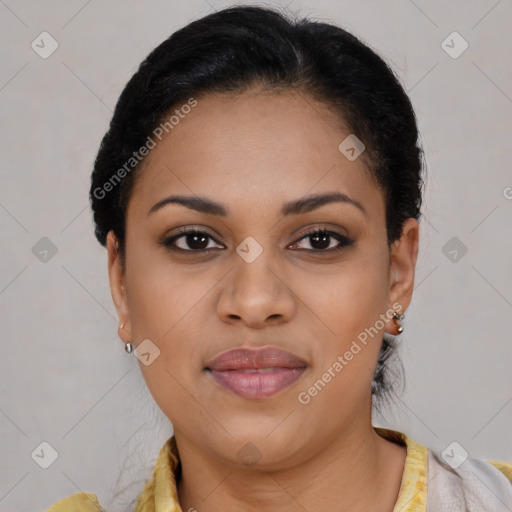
(253, 152)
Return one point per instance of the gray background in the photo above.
(65, 378)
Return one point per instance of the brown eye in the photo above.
(191, 240)
(322, 240)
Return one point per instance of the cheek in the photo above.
(174, 395)
(350, 305)
(167, 307)
(160, 295)
(348, 300)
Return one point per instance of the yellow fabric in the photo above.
(504, 467)
(160, 492)
(81, 502)
(412, 496)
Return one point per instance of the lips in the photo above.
(256, 373)
(251, 358)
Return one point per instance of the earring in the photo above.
(128, 346)
(399, 317)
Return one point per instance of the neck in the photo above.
(355, 471)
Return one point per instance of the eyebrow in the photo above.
(302, 205)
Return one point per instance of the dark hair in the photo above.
(239, 47)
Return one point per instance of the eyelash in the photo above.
(342, 239)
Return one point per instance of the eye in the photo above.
(194, 240)
(320, 240)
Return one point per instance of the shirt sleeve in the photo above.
(80, 502)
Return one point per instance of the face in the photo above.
(317, 281)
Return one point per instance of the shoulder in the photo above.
(80, 502)
(476, 484)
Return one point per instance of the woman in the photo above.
(259, 192)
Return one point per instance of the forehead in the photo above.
(265, 145)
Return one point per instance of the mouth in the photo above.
(256, 383)
(256, 373)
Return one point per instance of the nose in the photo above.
(256, 294)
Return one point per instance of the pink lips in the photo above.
(256, 373)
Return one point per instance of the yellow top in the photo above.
(160, 492)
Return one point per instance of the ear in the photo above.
(117, 286)
(404, 253)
